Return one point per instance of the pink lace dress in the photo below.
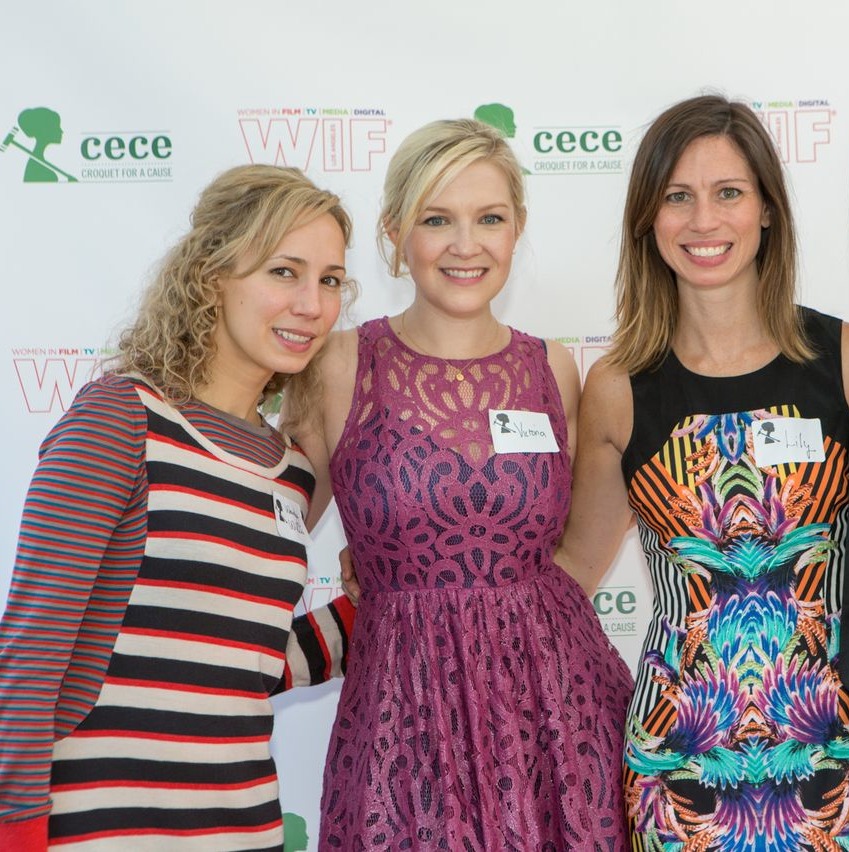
(483, 707)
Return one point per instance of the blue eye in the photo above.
(435, 221)
(677, 197)
(729, 192)
(491, 219)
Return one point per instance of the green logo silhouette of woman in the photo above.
(498, 116)
(295, 828)
(45, 127)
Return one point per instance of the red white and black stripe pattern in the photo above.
(175, 754)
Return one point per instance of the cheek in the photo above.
(664, 231)
(331, 304)
(508, 246)
(419, 249)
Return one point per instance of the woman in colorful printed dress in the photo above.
(483, 707)
(720, 419)
(162, 549)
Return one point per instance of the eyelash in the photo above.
(438, 221)
(328, 280)
(727, 193)
(434, 221)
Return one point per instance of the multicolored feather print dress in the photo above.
(737, 736)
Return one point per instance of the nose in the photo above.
(704, 215)
(465, 242)
(307, 301)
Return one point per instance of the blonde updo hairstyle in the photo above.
(425, 163)
(242, 215)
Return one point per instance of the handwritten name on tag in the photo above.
(521, 432)
(290, 521)
(787, 439)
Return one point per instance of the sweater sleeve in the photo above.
(317, 649)
(86, 479)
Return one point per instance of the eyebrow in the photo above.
(434, 209)
(300, 261)
(715, 183)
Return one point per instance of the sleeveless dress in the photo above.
(737, 736)
(483, 706)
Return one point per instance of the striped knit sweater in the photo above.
(100, 507)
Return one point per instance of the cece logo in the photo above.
(571, 141)
(116, 156)
(607, 602)
(115, 147)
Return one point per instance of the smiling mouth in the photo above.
(292, 337)
(464, 273)
(707, 251)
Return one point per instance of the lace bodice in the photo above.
(424, 498)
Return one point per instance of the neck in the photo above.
(722, 334)
(450, 337)
(233, 396)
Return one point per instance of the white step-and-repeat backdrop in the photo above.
(133, 107)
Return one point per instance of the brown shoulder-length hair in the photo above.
(647, 296)
(243, 213)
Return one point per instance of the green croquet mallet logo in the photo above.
(45, 127)
(295, 829)
(499, 116)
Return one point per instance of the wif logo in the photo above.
(586, 350)
(318, 591)
(51, 378)
(330, 139)
(44, 127)
(800, 128)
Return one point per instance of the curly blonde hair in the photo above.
(244, 212)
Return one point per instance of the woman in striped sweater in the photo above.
(162, 548)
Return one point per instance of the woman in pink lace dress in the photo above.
(484, 706)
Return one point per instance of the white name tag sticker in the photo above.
(521, 432)
(290, 521)
(787, 439)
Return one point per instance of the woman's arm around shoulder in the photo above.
(569, 384)
(318, 644)
(600, 514)
(318, 437)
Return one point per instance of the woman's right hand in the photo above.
(350, 585)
